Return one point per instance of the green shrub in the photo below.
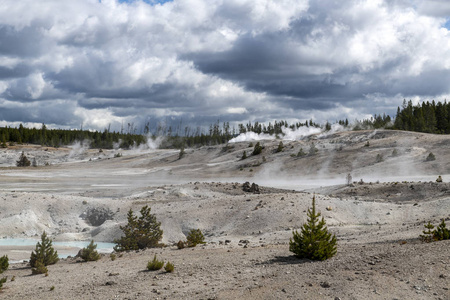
(2, 281)
(244, 155)
(427, 235)
(379, 158)
(430, 157)
(23, 161)
(52, 288)
(280, 147)
(44, 252)
(257, 149)
(169, 267)
(112, 256)
(441, 232)
(155, 264)
(39, 268)
(140, 233)
(314, 242)
(180, 244)
(4, 263)
(301, 153)
(90, 253)
(194, 237)
(182, 153)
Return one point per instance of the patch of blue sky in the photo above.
(447, 24)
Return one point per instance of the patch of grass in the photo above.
(155, 264)
(169, 267)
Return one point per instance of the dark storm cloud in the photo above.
(114, 62)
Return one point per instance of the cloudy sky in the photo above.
(95, 63)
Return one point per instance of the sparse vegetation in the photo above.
(440, 233)
(39, 268)
(367, 144)
(169, 267)
(195, 237)
(90, 253)
(430, 157)
(257, 149)
(301, 153)
(314, 241)
(312, 149)
(23, 161)
(244, 155)
(113, 256)
(4, 263)
(280, 147)
(182, 153)
(379, 158)
(2, 281)
(180, 244)
(117, 155)
(52, 288)
(140, 233)
(155, 264)
(439, 179)
(394, 152)
(44, 254)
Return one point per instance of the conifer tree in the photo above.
(427, 235)
(23, 161)
(441, 232)
(90, 253)
(314, 241)
(140, 233)
(44, 252)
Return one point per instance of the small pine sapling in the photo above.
(441, 232)
(244, 155)
(195, 237)
(257, 149)
(431, 157)
(427, 235)
(44, 252)
(155, 264)
(4, 263)
(314, 241)
(280, 147)
(90, 253)
(301, 153)
(2, 281)
(169, 267)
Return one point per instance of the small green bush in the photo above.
(180, 244)
(257, 149)
(379, 158)
(52, 288)
(195, 237)
(312, 149)
(244, 155)
(155, 264)
(4, 263)
(23, 161)
(90, 253)
(182, 153)
(280, 147)
(169, 267)
(441, 232)
(301, 153)
(112, 256)
(431, 157)
(427, 235)
(2, 281)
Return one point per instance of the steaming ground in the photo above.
(377, 219)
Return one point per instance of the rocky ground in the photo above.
(377, 219)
